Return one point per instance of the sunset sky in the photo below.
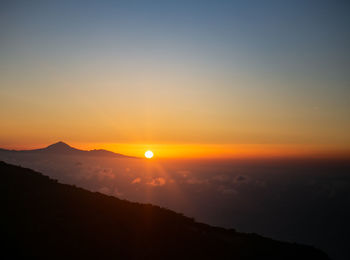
(182, 78)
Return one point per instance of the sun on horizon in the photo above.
(149, 154)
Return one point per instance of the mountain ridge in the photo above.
(43, 218)
(62, 148)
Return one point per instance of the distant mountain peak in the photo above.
(59, 146)
(60, 143)
(62, 148)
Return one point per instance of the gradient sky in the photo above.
(181, 77)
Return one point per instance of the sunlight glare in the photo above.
(149, 154)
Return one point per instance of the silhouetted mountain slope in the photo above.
(61, 148)
(42, 218)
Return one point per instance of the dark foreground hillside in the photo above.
(42, 218)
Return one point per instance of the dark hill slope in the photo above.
(44, 219)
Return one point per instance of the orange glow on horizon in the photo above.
(206, 151)
(217, 151)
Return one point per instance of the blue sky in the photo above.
(282, 63)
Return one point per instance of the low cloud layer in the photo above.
(249, 196)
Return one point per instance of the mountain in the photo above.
(42, 218)
(61, 148)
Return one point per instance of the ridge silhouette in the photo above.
(42, 218)
(62, 148)
(59, 147)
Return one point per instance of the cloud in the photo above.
(105, 190)
(117, 193)
(227, 190)
(159, 181)
(241, 178)
(184, 173)
(196, 181)
(106, 173)
(221, 177)
(137, 180)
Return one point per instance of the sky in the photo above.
(183, 78)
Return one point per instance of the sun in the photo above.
(149, 154)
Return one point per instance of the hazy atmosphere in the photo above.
(261, 77)
(231, 118)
